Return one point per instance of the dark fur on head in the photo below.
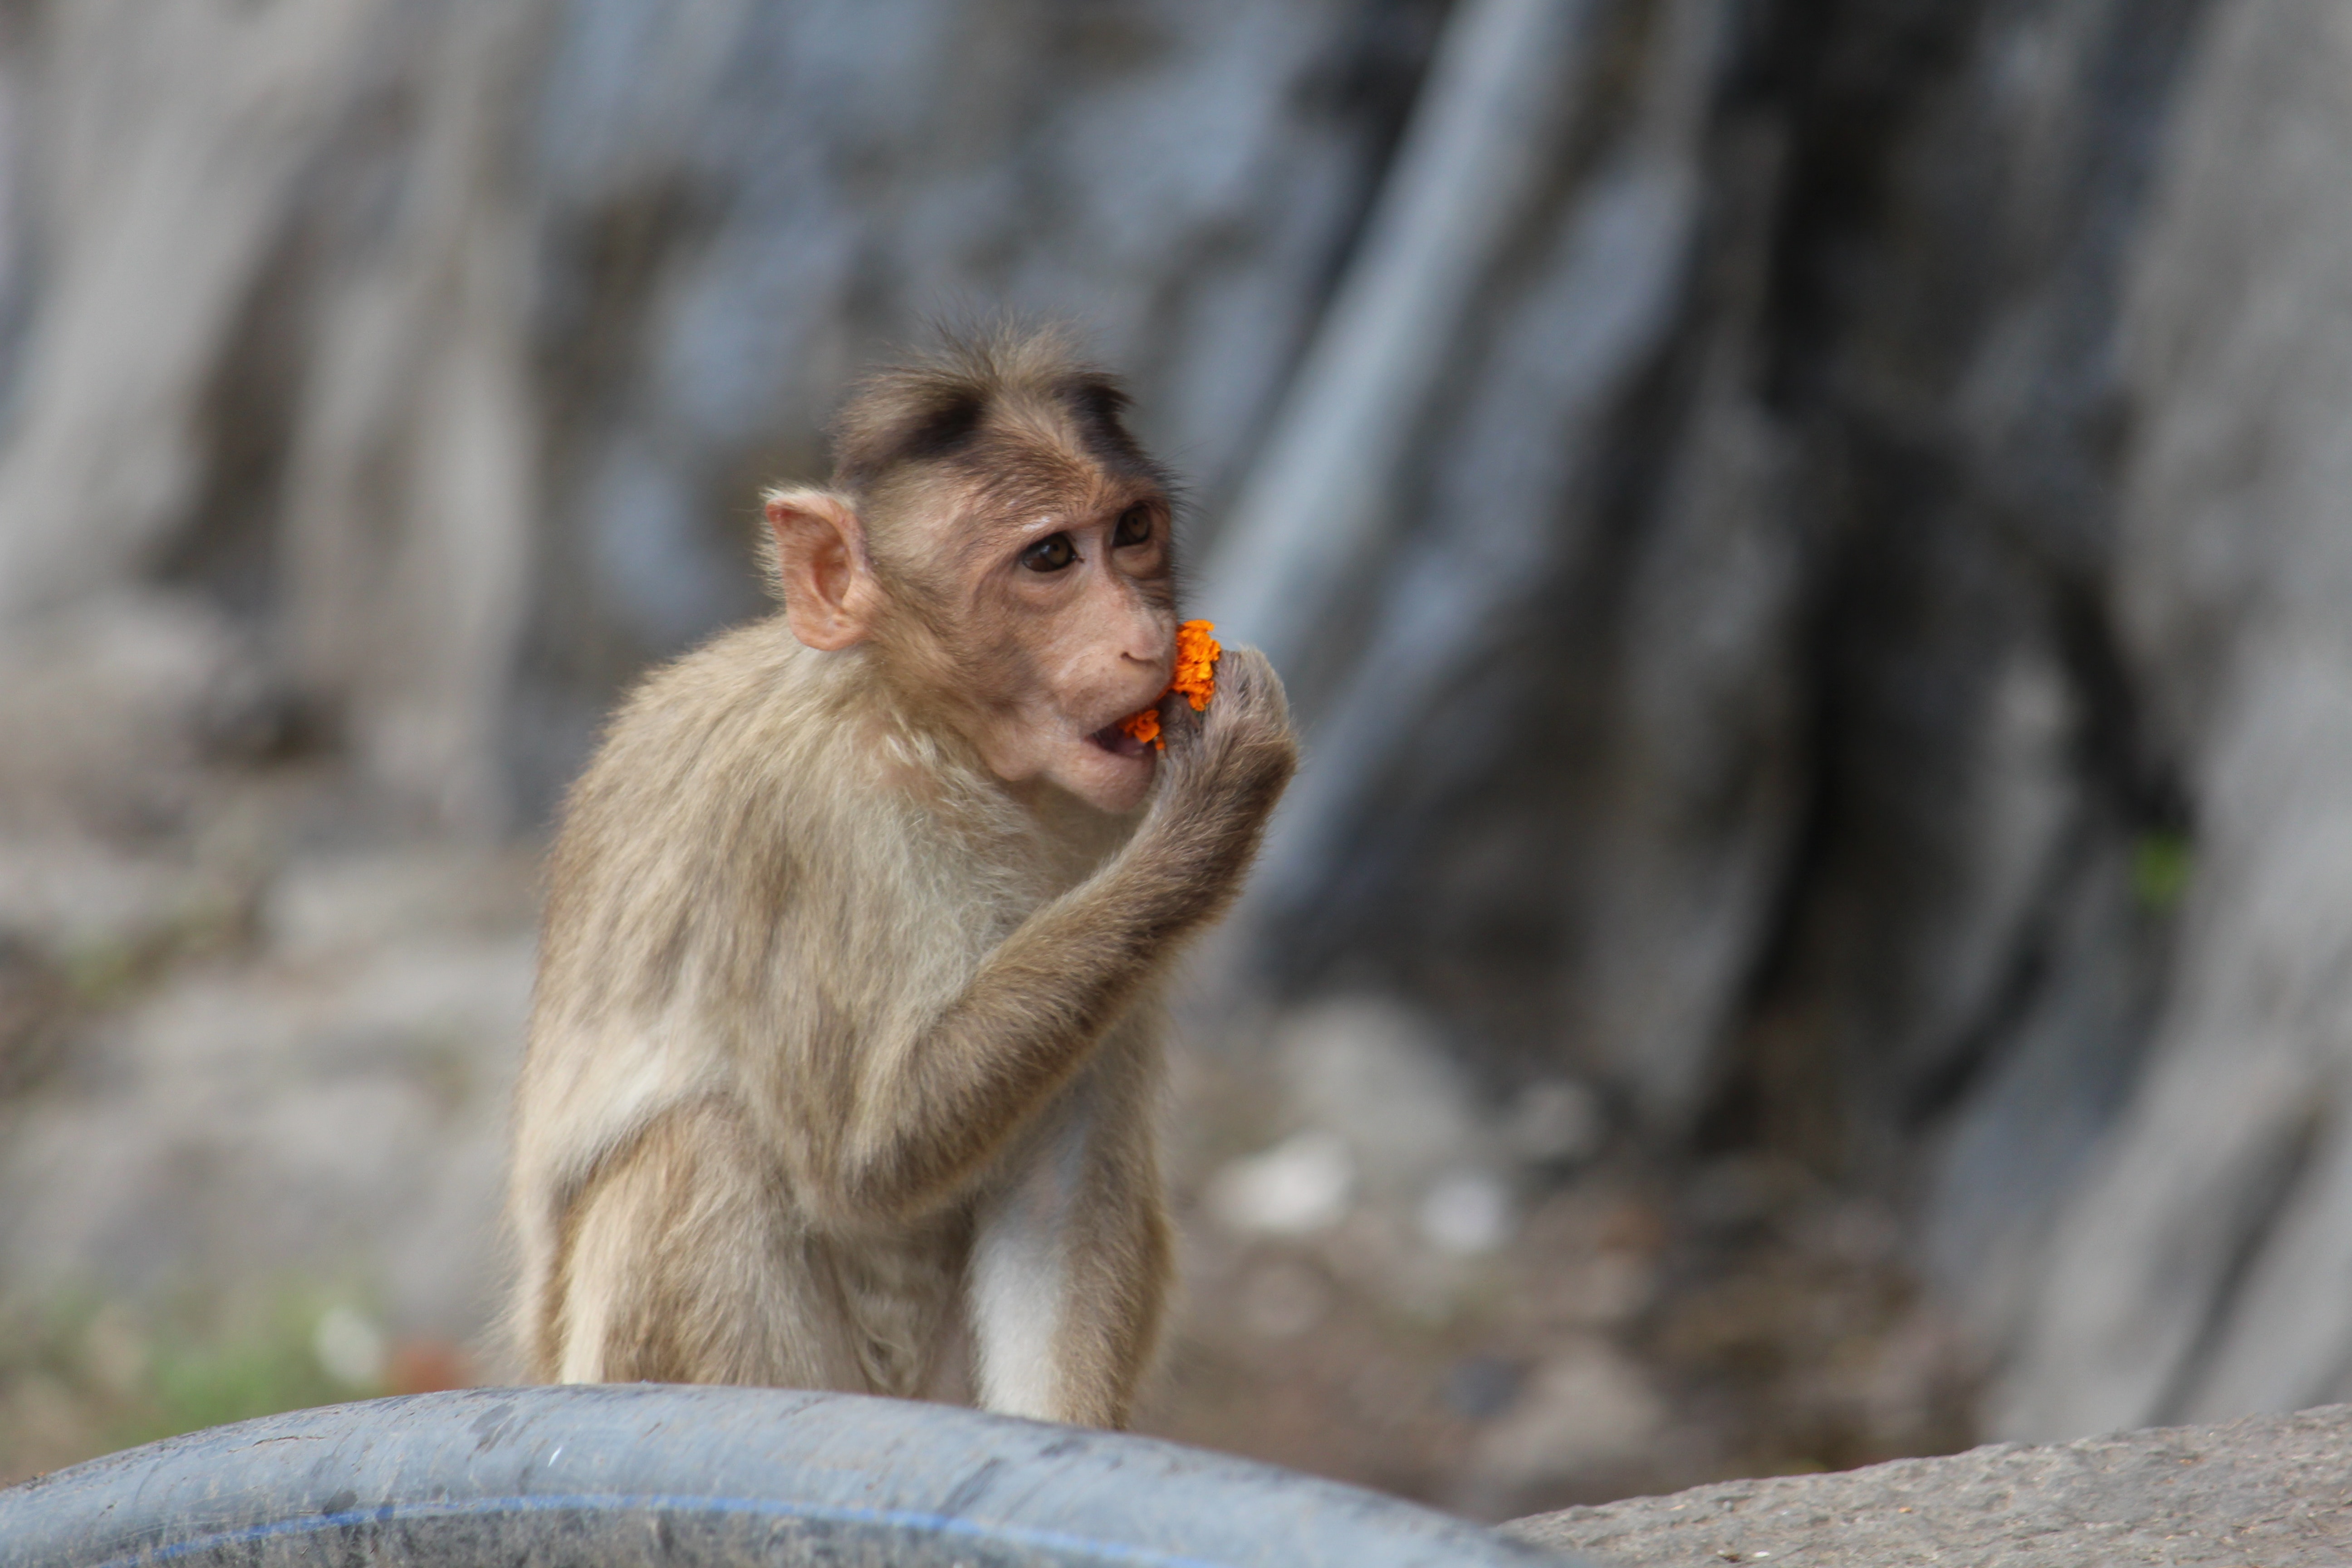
(1012, 414)
(1017, 407)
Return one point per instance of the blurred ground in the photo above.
(255, 1042)
(253, 1051)
(1503, 1309)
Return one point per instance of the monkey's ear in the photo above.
(820, 566)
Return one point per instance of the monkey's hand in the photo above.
(1220, 777)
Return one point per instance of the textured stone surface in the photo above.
(2274, 1491)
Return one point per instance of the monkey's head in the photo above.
(1000, 547)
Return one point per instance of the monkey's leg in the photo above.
(1070, 1265)
(1116, 1290)
(681, 1264)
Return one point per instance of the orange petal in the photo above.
(1144, 726)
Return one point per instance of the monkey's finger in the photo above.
(1247, 678)
(1180, 726)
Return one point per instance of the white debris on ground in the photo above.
(349, 1347)
(1302, 1186)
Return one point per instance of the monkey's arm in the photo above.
(935, 1109)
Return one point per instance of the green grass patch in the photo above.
(2162, 864)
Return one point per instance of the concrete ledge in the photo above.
(2272, 1491)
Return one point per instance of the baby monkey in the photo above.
(846, 1035)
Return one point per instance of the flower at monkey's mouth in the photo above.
(1196, 677)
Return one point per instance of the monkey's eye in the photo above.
(1134, 528)
(1051, 554)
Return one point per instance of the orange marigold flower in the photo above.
(1196, 677)
(1196, 663)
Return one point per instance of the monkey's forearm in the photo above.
(1038, 1005)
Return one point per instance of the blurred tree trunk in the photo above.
(2205, 1266)
(1779, 763)
(1760, 649)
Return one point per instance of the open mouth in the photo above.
(1115, 741)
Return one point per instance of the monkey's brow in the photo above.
(1029, 514)
(1019, 480)
(989, 519)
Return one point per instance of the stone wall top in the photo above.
(2274, 1491)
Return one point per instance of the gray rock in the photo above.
(2269, 1489)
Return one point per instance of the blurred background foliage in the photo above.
(1805, 535)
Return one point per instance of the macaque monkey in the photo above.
(846, 1036)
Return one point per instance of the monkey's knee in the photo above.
(1066, 1330)
(1128, 1301)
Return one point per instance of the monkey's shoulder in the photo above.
(749, 710)
(753, 751)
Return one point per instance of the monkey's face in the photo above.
(1063, 624)
(1021, 592)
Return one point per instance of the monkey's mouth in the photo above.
(1115, 741)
